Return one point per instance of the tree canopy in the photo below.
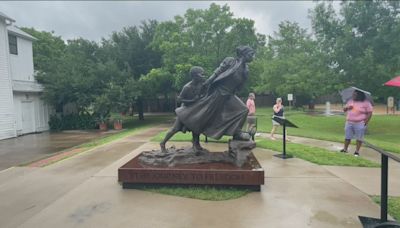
(293, 63)
(202, 37)
(356, 46)
(361, 42)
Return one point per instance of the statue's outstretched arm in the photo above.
(222, 67)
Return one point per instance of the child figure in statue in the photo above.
(190, 93)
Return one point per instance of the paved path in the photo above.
(32, 147)
(365, 152)
(25, 192)
(83, 191)
(365, 179)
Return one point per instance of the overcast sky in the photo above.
(94, 20)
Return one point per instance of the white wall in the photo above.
(7, 119)
(39, 115)
(22, 64)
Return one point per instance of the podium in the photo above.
(285, 123)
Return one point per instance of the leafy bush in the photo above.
(55, 123)
(72, 122)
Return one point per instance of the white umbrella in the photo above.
(347, 94)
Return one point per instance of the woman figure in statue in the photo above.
(221, 112)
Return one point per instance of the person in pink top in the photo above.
(251, 119)
(359, 112)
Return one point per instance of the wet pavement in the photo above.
(32, 147)
(83, 191)
(365, 179)
(296, 193)
(25, 191)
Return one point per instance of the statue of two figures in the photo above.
(210, 107)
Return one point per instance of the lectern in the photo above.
(285, 123)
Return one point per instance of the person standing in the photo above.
(251, 106)
(359, 112)
(278, 111)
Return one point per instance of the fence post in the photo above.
(384, 188)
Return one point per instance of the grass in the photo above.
(383, 130)
(315, 155)
(202, 193)
(393, 206)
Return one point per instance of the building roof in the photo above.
(18, 32)
(2, 15)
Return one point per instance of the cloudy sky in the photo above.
(94, 20)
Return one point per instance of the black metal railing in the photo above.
(384, 188)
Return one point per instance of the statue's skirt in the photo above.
(214, 115)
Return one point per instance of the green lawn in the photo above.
(383, 130)
(202, 193)
(393, 206)
(316, 155)
(313, 154)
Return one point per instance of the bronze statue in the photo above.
(213, 109)
(190, 93)
(221, 112)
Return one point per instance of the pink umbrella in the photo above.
(394, 82)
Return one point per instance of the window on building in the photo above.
(12, 41)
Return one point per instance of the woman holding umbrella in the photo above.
(359, 112)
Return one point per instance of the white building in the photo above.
(21, 109)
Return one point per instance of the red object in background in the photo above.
(394, 82)
(118, 125)
(103, 126)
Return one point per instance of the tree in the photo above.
(48, 50)
(131, 52)
(71, 72)
(202, 38)
(79, 78)
(362, 42)
(292, 64)
(157, 81)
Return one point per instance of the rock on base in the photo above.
(237, 154)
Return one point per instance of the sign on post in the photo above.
(285, 123)
(390, 102)
(290, 99)
(390, 105)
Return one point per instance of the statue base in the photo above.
(218, 174)
(237, 154)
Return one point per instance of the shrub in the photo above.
(72, 122)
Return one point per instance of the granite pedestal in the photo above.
(218, 174)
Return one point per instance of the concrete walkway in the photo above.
(365, 179)
(24, 192)
(83, 191)
(32, 147)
